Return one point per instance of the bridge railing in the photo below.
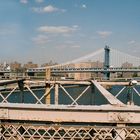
(28, 131)
(67, 92)
(36, 92)
(67, 113)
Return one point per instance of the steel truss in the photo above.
(19, 131)
(54, 88)
(37, 121)
(40, 100)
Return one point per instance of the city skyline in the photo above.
(44, 30)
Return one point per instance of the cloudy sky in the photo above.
(62, 30)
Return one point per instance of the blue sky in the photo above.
(62, 30)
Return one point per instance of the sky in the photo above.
(62, 30)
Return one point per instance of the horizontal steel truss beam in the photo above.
(74, 82)
(63, 113)
(8, 82)
(67, 82)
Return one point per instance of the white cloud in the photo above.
(40, 40)
(47, 9)
(57, 29)
(104, 34)
(132, 42)
(84, 6)
(75, 26)
(24, 1)
(39, 1)
(50, 9)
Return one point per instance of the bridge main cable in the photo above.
(75, 60)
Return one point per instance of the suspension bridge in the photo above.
(111, 59)
(71, 110)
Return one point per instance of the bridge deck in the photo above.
(83, 70)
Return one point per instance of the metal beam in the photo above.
(62, 82)
(84, 70)
(56, 94)
(63, 113)
(113, 83)
(111, 99)
(6, 82)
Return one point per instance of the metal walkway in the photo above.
(41, 120)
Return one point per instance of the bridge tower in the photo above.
(107, 61)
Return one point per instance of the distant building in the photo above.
(15, 66)
(30, 65)
(127, 65)
(127, 74)
(97, 64)
(82, 76)
(86, 75)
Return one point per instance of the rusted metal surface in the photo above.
(17, 131)
(63, 113)
(41, 121)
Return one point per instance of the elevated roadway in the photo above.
(80, 70)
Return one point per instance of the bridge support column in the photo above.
(56, 94)
(107, 62)
(48, 77)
